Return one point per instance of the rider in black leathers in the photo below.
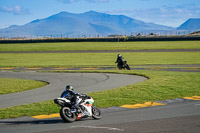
(71, 95)
(120, 60)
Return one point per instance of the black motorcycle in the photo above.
(123, 65)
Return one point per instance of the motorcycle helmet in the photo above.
(69, 87)
(118, 55)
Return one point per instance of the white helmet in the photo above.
(118, 55)
(69, 87)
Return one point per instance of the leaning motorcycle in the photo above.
(124, 65)
(86, 109)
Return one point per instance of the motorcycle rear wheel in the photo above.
(96, 113)
(66, 115)
(120, 67)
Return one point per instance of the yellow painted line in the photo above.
(7, 68)
(33, 68)
(146, 104)
(46, 116)
(196, 97)
(157, 104)
(193, 98)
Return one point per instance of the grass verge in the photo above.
(100, 46)
(161, 85)
(8, 85)
(95, 59)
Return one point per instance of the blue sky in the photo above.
(166, 12)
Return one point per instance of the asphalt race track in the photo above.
(175, 117)
(82, 82)
(172, 118)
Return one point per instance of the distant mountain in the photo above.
(84, 24)
(190, 24)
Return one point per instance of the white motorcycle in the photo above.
(86, 109)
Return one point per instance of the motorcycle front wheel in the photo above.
(67, 115)
(96, 113)
(127, 67)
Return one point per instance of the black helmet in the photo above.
(69, 87)
(118, 55)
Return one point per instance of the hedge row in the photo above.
(115, 39)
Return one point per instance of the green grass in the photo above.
(47, 107)
(100, 46)
(17, 85)
(161, 85)
(95, 59)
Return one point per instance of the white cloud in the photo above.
(17, 10)
(165, 15)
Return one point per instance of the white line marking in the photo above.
(94, 127)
